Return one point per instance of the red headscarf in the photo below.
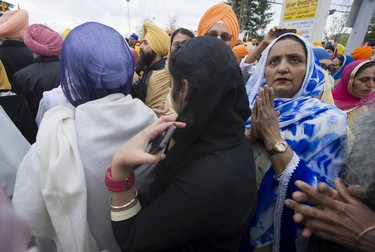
(342, 94)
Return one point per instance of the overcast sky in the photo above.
(61, 14)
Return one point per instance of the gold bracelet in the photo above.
(125, 205)
(363, 234)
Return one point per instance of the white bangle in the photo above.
(126, 214)
(125, 205)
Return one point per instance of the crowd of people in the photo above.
(271, 151)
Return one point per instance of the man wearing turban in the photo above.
(43, 74)
(240, 51)
(153, 87)
(362, 53)
(13, 52)
(133, 40)
(220, 21)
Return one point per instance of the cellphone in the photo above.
(161, 141)
(283, 31)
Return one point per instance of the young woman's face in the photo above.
(364, 83)
(177, 40)
(286, 68)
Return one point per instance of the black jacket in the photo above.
(18, 109)
(204, 193)
(139, 88)
(15, 55)
(33, 80)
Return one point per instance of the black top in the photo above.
(33, 80)
(15, 55)
(18, 109)
(204, 193)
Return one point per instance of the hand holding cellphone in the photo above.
(283, 31)
(161, 141)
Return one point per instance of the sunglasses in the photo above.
(225, 36)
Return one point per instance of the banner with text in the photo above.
(300, 14)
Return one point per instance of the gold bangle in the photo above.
(125, 205)
(363, 234)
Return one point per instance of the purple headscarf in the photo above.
(95, 62)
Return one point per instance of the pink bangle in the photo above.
(121, 185)
(363, 234)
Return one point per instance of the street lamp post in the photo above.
(128, 15)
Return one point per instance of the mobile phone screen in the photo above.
(283, 31)
(161, 141)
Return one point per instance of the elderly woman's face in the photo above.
(364, 83)
(286, 68)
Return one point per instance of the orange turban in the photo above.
(216, 13)
(13, 24)
(240, 51)
(362, 53)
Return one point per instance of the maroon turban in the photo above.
(42, 40)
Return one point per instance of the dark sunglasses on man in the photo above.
(225, 36)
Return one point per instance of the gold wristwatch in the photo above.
(279, 147)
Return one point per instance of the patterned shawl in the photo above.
(316, 132)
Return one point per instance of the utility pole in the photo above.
(127, 1)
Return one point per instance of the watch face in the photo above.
(281, 146)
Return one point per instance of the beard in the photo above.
(145, 59)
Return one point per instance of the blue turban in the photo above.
(321, 53)
(95, 61)
(134, 36)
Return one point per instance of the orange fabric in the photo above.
(13, 24)
(216, 13)
(362, 53)
(3, 7)
(240, 51)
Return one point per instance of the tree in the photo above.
(7, 7)
(172, 23)
(370, 36)
(253, 15)
(337, 27)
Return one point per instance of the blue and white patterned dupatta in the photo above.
(316, 132)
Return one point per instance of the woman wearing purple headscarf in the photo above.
(60, 189)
